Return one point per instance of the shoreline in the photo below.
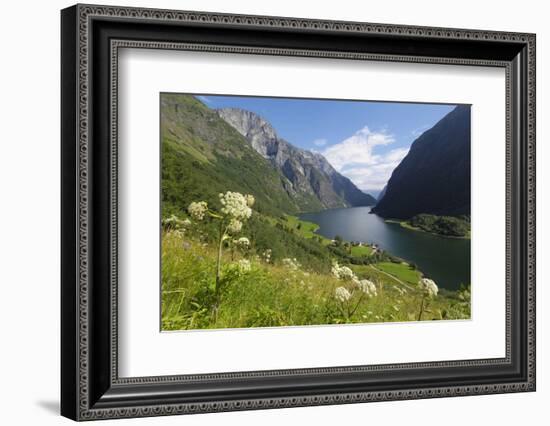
(329, 209)
(405, 225)
(451, 288)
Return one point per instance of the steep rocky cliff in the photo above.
(307, 172)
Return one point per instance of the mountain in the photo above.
(434, 177)
(307, 172)
(382, 193)
(202, 156)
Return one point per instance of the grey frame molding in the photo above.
(91, 39)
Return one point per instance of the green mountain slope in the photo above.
(202, 156)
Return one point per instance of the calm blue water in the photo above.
(445, 260)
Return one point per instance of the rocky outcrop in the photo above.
(308, 173)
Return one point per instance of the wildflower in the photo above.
(367, 287)
(178, 233)
(343, 272)
(235, 205)
(174, 222)
(171, 221)
(342, 294)
(244, 265)
(249, 200)
(197, 210)
(234, 226)
(242, 243)
(291, 264)
(429, 287)
(267, 255)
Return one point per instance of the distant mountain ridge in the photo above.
(434, 177)
(307, 172)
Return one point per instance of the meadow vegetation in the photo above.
(274, 270)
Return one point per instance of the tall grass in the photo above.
(269, 295)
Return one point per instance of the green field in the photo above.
(402, 271)
(304, 228)
(361, 251)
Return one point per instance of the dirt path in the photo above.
(392, 276)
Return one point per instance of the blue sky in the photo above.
(363, 140)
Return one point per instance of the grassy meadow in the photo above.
(260, 288)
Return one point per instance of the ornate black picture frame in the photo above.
(91, 36)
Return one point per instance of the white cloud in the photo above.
(320, 142)
(355, 158)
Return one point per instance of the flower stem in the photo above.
(219, 263)
(357, 305)
(421, 308)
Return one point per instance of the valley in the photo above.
(309, 251)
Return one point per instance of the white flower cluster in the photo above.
(346, 274)
(429, 287)
(174, 222)
(267, 255)
(197, 210)
(250, 200)
(291, 264)
(367, 287)
(170, 221)
(234, 226)
(244, 265)
(342, 294)
(242, 243)
(342, 272)
(236, 205)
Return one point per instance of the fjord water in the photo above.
(445, 260)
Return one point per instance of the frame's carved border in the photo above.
(115, 46)
(86, 12)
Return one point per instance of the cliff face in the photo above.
(434, 177)
(308, 173)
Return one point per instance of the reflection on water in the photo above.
(446, 260)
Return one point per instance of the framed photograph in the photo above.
(263, 212)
